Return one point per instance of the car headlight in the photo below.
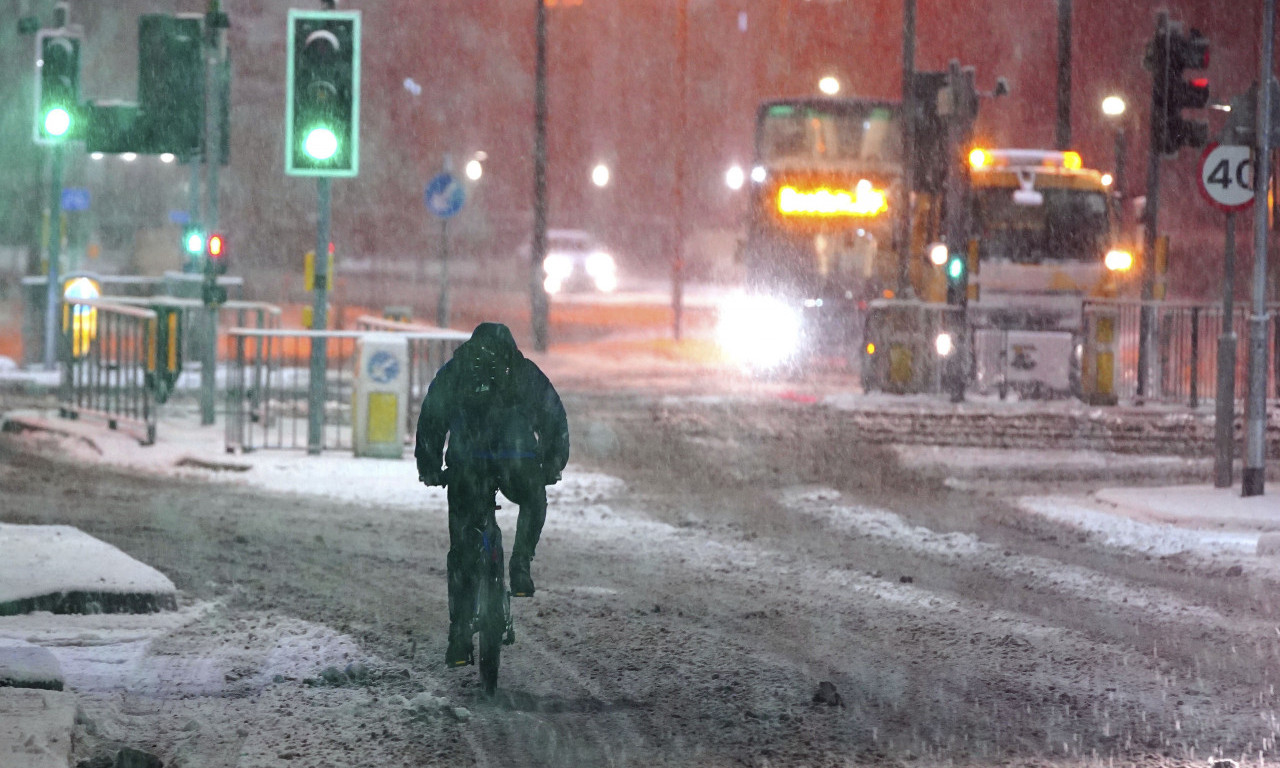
(600, 263)
(759, 331)
(944, 345)
(558, 266)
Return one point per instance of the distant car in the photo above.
(576, 261)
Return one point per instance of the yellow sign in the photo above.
(80, 319)
(309, 270)
(863, 200)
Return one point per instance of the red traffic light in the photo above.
(217, 261)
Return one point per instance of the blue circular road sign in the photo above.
(444, 195)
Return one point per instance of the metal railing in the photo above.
(268, 380)
(1184, 366)
(231, 314)
(108, 353)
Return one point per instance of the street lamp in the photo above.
(735, 177)
(600, 175)
(829, 85)
(1114, 108)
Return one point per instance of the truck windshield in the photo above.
(1071, 225)
(840, 131)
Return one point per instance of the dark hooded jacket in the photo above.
(488, 415)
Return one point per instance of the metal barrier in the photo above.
(108, 353)
(1184, 366)
(268, 379)
(231, 314)
(429, 347)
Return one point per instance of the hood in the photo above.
(486, 361)
(495, 338)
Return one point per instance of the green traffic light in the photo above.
(195, 243)
(955, 268)
(57, 122)
(320, 144)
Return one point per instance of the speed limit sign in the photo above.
(1226, 176)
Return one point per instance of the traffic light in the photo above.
(193, 246)
(171, 90)
(322, 120)
(216, 250)
(58, 115)
(1169, 55)
(957, 272)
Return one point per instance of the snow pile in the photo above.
(51, 559)
(29, 666)
(1035, 572)
(1114, 529)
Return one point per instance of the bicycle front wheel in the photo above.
(492, 627)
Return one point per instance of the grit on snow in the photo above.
(248, 688)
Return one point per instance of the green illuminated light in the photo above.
(57, 121)
(320, 144)
(955, 269)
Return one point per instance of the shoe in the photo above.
(459, 652)
(521, 581)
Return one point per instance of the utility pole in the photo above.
(1253, 479)
(677, 260)
(1063, 133)
(538, 249)
(909, 148)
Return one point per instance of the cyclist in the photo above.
(505, 423)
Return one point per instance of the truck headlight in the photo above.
(944, 345)
(1118, 260)
(759, 331)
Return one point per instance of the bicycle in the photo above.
(492, 617)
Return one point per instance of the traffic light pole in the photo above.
(1253, 479)
(53, 297)
(319, 323)
(1150, 213)
(212, 159)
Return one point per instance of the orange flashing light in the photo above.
(1072, 161)
(863, 200)
(979, 158)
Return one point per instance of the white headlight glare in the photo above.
(558, 265)
(600, 263)
(943, 344)
(606, 282)
(759, 331)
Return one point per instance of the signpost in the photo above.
(1226, 181)
(444, 197)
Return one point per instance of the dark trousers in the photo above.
(520, 480)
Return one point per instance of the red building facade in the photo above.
(455, 77)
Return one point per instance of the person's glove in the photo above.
(431, 477)
(550, 476)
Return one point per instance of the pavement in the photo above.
(37, 711)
